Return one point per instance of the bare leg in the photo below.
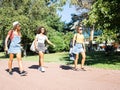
(19, 61)
(10, 62)
(41, 59)
(76, 60)
(41, 62)
(83, 59)
(22, 72)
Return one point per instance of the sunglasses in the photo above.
(80, 29)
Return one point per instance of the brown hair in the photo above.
(14, 28)
(39, 30)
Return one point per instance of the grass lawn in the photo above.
(54, 57)
(102, 60)
(94, 59)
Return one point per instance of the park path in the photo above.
(58, 77)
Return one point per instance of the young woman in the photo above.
(79, 47)
(14, 48)
(40, 46)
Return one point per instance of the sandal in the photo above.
(83, 69)
(75, 69)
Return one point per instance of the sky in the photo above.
(67, 11)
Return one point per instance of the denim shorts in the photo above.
(78, 48)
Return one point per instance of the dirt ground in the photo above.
(58, 77)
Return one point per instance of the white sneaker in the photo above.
(42, 69)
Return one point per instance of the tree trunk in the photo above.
(91, 37)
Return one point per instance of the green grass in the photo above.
(2, 55)
(94, 59)
(108, 66)
(54, 57)
(102, 60)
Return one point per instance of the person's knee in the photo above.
(83, 58)
(10, 61)
(76, 58)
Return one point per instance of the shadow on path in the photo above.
(15, 69)
(34, 67)
(66, 67)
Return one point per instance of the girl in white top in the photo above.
(40, 46)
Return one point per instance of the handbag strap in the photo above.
(76, 37)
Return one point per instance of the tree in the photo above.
(105, 14)
(31, 14)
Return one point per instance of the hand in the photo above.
(53, 45)
(36, 48)
(6, 48)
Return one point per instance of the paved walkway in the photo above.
(58, 77)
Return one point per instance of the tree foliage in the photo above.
(31, 14)
(105, 14)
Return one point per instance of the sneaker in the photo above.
(41, 69)
(23, 73)
(10, 73)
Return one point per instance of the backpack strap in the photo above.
(11, 32)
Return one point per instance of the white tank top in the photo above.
(41, 38)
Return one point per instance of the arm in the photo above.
(48, 41)
(35, 42)
(84, 44)
(6, 40)
(74, 38)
